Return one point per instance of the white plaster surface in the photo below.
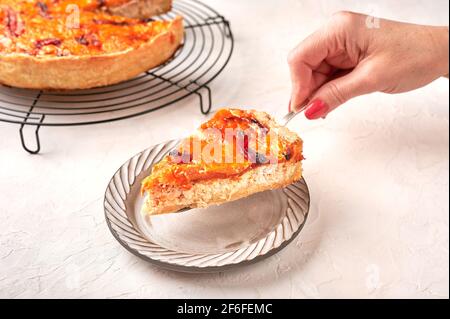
(377, 170)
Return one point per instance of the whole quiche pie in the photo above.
(80, 44)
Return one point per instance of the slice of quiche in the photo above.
(73, 44)
(235, 154)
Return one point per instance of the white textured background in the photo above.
(377, 169)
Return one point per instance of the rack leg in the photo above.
(227, 28)
(218, 20)
(37, 148)
(198, 91)
(203, 109)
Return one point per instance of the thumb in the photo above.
(338, 91)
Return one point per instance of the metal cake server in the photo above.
(288, 117)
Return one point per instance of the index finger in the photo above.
(303, 60)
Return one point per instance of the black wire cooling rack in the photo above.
(207, 49)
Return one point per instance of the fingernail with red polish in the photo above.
(316, 109)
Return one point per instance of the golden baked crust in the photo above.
(197, 182)
(38, 52)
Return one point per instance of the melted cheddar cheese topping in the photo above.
(70, 27)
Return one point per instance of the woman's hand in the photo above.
(354, 55)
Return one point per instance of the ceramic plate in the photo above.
(202, 240)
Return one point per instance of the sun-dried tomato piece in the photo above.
(14, 23)
(101, 3)
(43, 9)
(112, 22)
(39, 44)
(89, 40)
